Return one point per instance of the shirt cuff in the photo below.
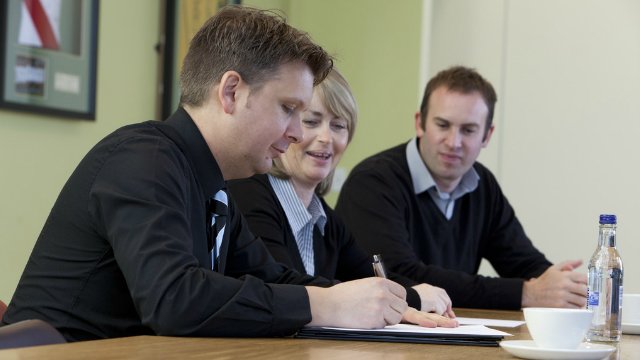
(291, 310)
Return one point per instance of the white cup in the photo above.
(631, 309)
(554, 328)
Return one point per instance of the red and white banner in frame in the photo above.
(40, 24)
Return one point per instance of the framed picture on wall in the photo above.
(48, 51)
(183, 19)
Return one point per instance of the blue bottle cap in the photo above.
(608, 219)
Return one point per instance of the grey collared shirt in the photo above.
(423, 181)
(301, 219)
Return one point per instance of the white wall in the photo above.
(568, 118)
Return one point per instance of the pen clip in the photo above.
(378, 266)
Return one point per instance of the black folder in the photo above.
(398, 337)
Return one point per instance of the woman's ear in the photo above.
(227, 91)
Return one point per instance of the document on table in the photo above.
(489, 322)
(461, 335)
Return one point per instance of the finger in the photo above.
(449, 313)
(396, 289)
(446, 306)
(420, 318)
(441, 321)
(578, 277)
(447, 322)
(577, 301)
(569, 265)
(447, 301)
(392, 316)
(578, 289)
(572, 305)
(396, 305)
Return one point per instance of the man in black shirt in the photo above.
(129, 247)
(434, 212)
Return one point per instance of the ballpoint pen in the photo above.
(378, 266)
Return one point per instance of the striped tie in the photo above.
(218, 211)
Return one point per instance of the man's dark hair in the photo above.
(464, 80)
(253, 42)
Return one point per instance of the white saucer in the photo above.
(527, 349)
(630, 328)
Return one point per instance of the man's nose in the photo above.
(294, 131)
(454, 139)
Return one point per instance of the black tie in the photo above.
(218, 212)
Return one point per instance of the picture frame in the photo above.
(183, 18)
(48, 57)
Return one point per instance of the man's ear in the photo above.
(487, 136)
(227, 91)
(418, 124)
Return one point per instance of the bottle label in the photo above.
(620, 299)
(593, 299)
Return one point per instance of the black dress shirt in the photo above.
(124, 250)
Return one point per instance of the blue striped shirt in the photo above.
(302, 220)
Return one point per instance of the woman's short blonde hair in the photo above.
(335, 94)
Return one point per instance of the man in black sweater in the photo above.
(435, 213)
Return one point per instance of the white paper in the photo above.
(415, 329)
(489, 322)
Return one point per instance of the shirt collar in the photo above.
(297, 214)
(422, 179)
(194, 147)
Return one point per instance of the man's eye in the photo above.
(288, 109)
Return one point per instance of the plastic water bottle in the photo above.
(605, 273)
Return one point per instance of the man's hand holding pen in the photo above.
(369, 303)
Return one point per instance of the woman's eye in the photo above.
(339, 126)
